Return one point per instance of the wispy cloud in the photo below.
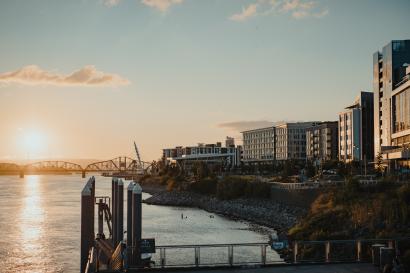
(321, 13)
(86, 76)
(161, 5)
(244, 125)
(298, 9)
(245, 14)
(111, 3)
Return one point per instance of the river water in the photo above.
(40, 225)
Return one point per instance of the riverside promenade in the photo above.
(317, 268)
(334, 268)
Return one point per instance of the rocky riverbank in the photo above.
(259, 211)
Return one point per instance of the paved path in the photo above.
(325, 268)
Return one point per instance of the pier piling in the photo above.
(87, 223)
(120, 211)
(114, 211)
(136, 224)
(100, 218)
(129, 221)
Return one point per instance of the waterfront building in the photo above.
(399, 151)
(291, 140)
(391, 101)
(229, 156)
(259, 145)
(322, 141)
(283, 141)
(356, 130)
(229, 142)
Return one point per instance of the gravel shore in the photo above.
(264, 212)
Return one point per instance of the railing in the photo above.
(215, 255)
(329, 183)
(248, 254)
(342, 250)
(295, 186)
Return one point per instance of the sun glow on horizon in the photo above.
(34, 142)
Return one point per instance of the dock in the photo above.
(113, 247)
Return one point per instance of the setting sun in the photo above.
(34, 142)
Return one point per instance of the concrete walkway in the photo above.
(323, 268)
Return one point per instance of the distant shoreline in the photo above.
(263, 212)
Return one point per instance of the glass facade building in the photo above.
(390, 109)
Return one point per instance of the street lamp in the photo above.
(360, 162)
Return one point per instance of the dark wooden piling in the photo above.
(129, 222)
(100, 219)
(114, 211)
(92, 181)
(120, 211)
(87, 224)
(136, 224)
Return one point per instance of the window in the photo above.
(398, 45)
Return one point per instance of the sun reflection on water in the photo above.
(31, 222)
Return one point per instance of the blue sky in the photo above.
(173, 71)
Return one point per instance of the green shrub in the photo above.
(406, 260)
(232, 187)
(205, 185)
(404, 194)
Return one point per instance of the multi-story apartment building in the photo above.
(211, 153)
(389, 70)
(259, 145)
(399, 151)
(291, 140)
(322, 141)
(356, 130)
(280, 142)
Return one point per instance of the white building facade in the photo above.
(291, 140)
(280, 142)
(259, 145)
(209, 153)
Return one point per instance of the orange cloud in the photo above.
(244, 125)
(245, 14)
(86, 76)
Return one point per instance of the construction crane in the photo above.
(140, 167)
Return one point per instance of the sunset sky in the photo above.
(84, 79)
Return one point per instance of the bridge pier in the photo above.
(21, 173)
(83, 173)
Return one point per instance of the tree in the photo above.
(342, 169)
(288, 168)
(379, 163)
(310, 169)
(200, 170)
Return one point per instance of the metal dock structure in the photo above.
(114, 252)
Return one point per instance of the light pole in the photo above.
(360, 161)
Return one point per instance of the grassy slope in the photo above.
(357, 212)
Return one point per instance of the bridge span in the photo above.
(121, 166)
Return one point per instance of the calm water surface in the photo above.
(40, 224)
